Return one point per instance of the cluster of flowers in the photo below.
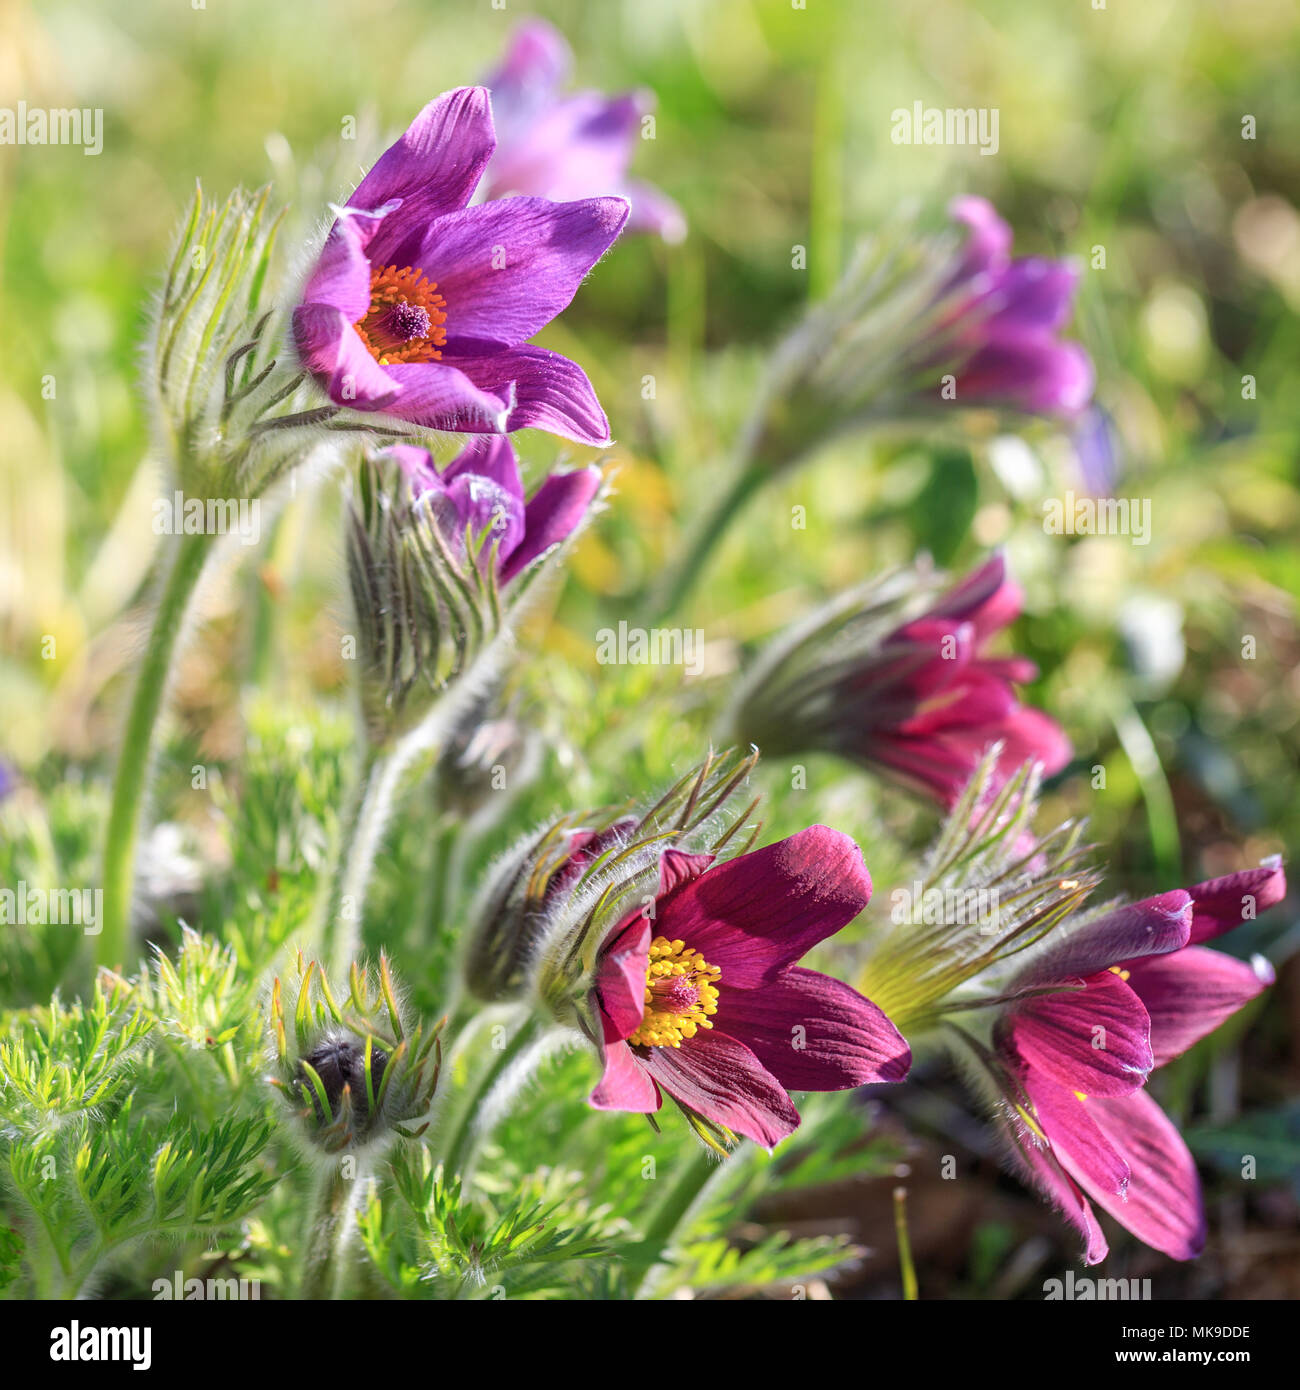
(678, 959)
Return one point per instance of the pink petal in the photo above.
(814, 1033)
(1124, 934)
(1190, 992)
(762, 911)
(1221, 904)
(620, 980)
(1162, 1205)
(329, 348)
(1096, 1040)
(721, 1079)
(625, 1084)
(1075, 1136)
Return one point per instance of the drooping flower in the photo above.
(999, 320)
(421, 306)
(568, 146)
(480, 489)
(921, 700)
(701, 995)
(1123, 994)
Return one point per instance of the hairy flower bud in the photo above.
(354, 1075)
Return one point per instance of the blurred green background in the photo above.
(1120, 128)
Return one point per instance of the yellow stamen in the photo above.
(680, 995)
(400, 299)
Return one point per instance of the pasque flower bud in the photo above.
(353, 1075)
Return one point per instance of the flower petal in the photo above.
(1162, 1204)
(1060, 1189)
(1096, 1039)
(1124, 934)
(814, 1033)
(760, 912)
(545, 391)
(434, 167)
(551, 515)
(1075, 1137)
(329, 347)
(620, 980)
(1221, 904)
(1190, 992)
(506, 269)
(721, 1079)
(625, 1085)
(341, 277)
(441, 397)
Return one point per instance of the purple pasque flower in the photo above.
(1136, 990)
(421, 306)
(922, 701)
(563, 147)
(481, 490)
(1000, 319)
(702, 996)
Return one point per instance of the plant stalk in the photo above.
(136, 756)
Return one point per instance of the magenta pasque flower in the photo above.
(480, 489)
(1000, 320)
(1136, 989)
(703, 997)
(922, 701)
(421, 305)
(574, 146)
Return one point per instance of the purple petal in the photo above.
(330, 349)
(535, 66)
(442, 397)
(578, 148)
(1096, 1039)
(1032, 298)
(988, 245)
(625, 1084)
(814, 1033)
(506, 269)
(1060, 1189)
(1124, 934)
(547, 391)
(1039, 376)
(341, 278)
(653, 211)
(762, 911)
(1190, 992)
(721, 1079)
(551, 516)
(1162, 1204)
(434, 167)
(1221, 904)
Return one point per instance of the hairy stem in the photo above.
(673, 1214)
(327, 1236)
(364, 821)
(190, 552)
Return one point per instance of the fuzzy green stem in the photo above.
(190, 553)
(362, 828)
(673, 1213)
(469, 1128)
(682, 578)
(330, 1226)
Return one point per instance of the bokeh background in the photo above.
(1174, 666)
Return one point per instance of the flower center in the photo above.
(680, 995)
(405, 320)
